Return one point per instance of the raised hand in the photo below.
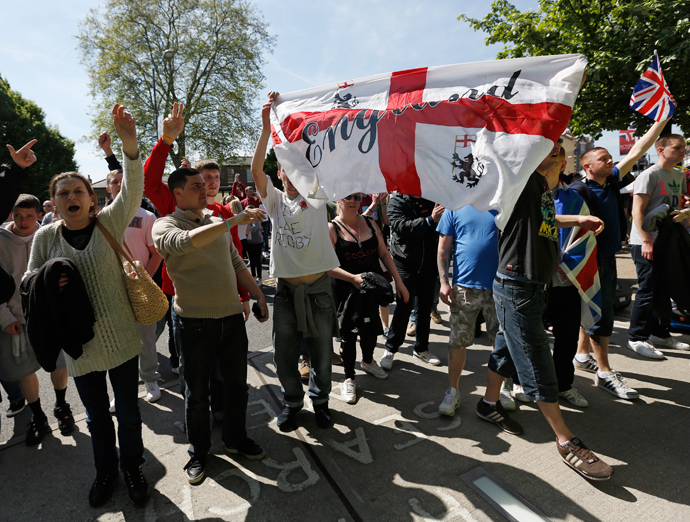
(266, 110)
(126, 129)
(104, 142)
(23, 157)
(185, 163)
(173, 125)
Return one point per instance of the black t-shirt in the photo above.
(79, 239)
(528, 245)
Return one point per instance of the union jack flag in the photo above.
(651, 96)
(579, 255)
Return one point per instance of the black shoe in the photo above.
(15, 408)
(36, 431)
(498, 416)
(195, 468)
(102, 489)
(63, 414)
(248, 448)
(286, 419)
(137, 487)
(323, 416)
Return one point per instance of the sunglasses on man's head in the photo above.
(355, 197)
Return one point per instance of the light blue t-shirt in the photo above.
(475, 258)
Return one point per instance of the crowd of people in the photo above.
(338, 268)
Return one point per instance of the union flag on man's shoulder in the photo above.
(651, 96)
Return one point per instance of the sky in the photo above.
(317, 43)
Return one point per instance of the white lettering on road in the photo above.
(301, 463)
(409, 429)
(419, 411)
(360, 441)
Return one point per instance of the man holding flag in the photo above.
(528, 254)
(301, 256)
(660, 183)
(601, 191)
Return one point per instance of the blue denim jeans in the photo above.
(608, 277)
(287, 341)
(521, 343)
(643, 321)
(94, 394)
(205, 344)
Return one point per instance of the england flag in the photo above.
(651, 96)
(468, 134)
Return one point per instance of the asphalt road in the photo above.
(259, 338)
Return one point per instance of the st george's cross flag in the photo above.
(456, 134)
(651, 96)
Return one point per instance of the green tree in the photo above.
(215, 70)
(618, 38)
(271, 169)
(21, 121)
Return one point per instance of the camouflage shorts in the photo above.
(467, 303)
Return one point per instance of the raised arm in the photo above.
(104, 143)
(118, 215)
(260, 177)
(14, 175)
(154, 188)
(641, 146)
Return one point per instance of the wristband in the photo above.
(430, 222)
(227, 224)
(164, 137)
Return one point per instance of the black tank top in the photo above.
(354, 258)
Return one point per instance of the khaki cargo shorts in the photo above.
(467, 303)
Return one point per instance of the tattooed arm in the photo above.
(445, 247)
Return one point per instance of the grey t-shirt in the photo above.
(662, 186)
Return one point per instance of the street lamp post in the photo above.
(168, 56)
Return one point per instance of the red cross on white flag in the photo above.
(398, 131)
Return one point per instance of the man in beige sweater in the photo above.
(205, 268)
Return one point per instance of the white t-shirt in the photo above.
(138, 236)
(300, 242)
(662, 186)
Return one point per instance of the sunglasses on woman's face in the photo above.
(355, 197)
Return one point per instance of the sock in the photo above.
(603, 375)
(582, 357)
(563, 444)
(489, 403)
(60, 396)
(36, 410)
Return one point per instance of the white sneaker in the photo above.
(507, 400)
(427, 357)
(616, 385)
(112, 406)
(519, 393)
(386, 361)
(573, 397)
(153, 392)
(646, 349)
(451, 402)
(347, 391)
(374, 369)
(669, 342)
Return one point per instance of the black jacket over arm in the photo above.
(56, 319)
